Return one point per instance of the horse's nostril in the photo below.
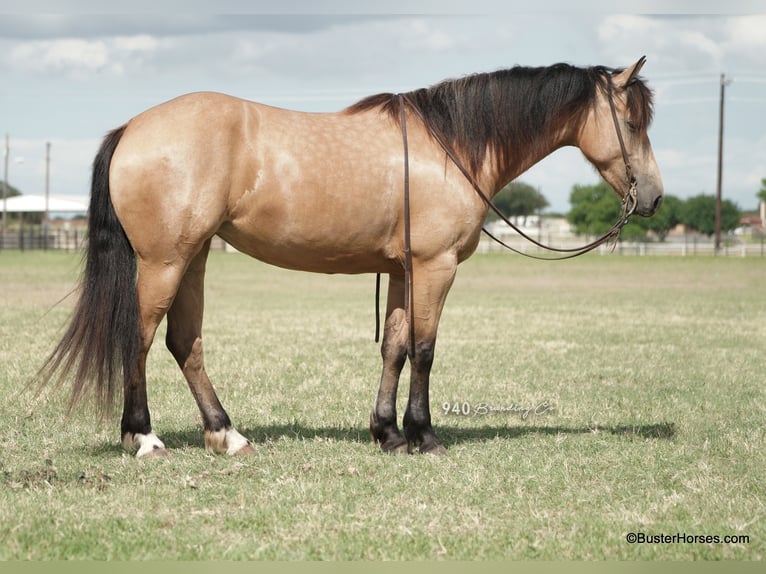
(657, 203)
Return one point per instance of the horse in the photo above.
(322, 192)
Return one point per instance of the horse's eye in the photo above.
(631, 125)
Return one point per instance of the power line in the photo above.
(752, 78)
(748, 100)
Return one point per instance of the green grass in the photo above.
(652, 370)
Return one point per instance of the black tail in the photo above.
(104, 335)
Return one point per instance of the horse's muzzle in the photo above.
(650, 194)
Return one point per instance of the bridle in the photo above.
(630, 200)
(629, 203)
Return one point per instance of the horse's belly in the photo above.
(342, 253)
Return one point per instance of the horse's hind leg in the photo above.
(156, 287)
(184, 340)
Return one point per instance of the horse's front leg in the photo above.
(383, 425)
(432, 281)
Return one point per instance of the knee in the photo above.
(394, 346)
(424, 354)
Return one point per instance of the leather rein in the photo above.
(629, 204)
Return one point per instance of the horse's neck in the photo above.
(495, 176)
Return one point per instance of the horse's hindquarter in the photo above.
(315, 192)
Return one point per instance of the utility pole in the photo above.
(47, 192)
(6, 153)
(47, 178)
(724, 83)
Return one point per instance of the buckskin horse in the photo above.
(324, 193)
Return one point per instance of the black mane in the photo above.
(511, 109)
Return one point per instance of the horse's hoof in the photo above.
(399, 446)
(147, 445)
(156, 453)
(433, 448)
(400, 449)
(246, 450)
(228, 441)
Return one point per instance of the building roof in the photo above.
(36, 204)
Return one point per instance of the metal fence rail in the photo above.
(35, 237)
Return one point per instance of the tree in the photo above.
(761, 195)
(12, 191)
(698, 213)
(518, 199)
(596, 208)
(666, 218)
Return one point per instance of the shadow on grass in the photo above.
(451, 435)
(456, 435)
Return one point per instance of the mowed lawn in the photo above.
(581, 402)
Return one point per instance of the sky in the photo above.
(72, 70)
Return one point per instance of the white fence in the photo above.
(557, 232)
(72, 239)
(691, 246)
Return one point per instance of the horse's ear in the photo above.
(629, 75)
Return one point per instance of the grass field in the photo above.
(580, 401)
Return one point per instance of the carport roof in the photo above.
(36, 204)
